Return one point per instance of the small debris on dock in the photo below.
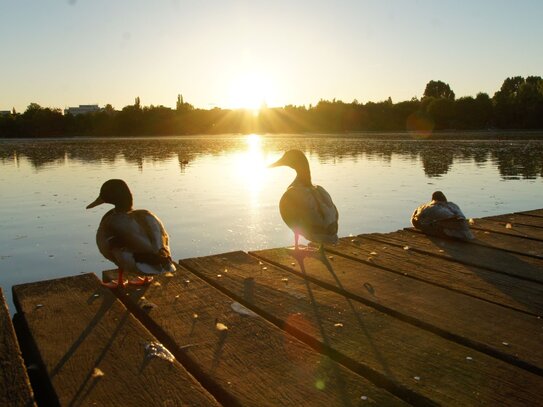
(168, 274)
(508, 226)
(221, 327)
(373, 253)
(338, 325)
(157, 350)
(240, 309)
(417, 378)
(406, 247)
(97, 373)
(469, 358)
(39, 305)
(505, 343)
(471, 221)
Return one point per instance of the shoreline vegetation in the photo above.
(516, 109)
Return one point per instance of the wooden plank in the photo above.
(15, 387)
(467, 320)
(368, 340)
(77, 326)
(252, 363)
(511, 244)
(535, 212)
(442, 271)
(508, 228)
(518, 219)
(514, 264)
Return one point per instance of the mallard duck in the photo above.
(440, 217)
(134, 239)
(307, 209)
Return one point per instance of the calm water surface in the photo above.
(215, 194)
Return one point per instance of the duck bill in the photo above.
(278, 163)
(98, 201)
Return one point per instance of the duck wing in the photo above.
(310, 211)
(137, 241)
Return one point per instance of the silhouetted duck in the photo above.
(135, 240)
(440, 217)
(307, 209)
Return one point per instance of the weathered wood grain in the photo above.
(535, 212)
(519, 219)
(467, 320)
(443, 271)
(508, 243)
(370, 341)
(15, 387)
(252, 363)
(514, 264)
(508, 228)
(78, 326)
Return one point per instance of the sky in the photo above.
(242, 53)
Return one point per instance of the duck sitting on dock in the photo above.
(134, 239)
(307, 209)
(440, 217)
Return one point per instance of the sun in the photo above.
(250, 91)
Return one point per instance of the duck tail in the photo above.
(161, 259)
(457, 228)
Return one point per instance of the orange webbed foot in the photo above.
(115, 284)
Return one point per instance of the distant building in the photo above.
(5, 112)
(82, 109)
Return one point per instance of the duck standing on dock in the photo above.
(134, 239)
(307, 209)
(440, 217)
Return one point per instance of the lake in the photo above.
(215, 194)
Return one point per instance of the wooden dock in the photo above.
(383, 319)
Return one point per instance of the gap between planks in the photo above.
(464, 262)
(375, 377)
(481, 347)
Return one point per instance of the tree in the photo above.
(442, 112)
(137, 103)
(179, 104)
(439, 90)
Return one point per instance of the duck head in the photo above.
(296, 160)
(115, 192)
(439, 196)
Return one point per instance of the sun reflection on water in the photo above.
(252, 168)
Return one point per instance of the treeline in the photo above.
(517, 105)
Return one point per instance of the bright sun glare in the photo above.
(250, 91)
(252, 167)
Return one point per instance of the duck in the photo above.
(134, 239)
(307, 209)
(440, 217)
